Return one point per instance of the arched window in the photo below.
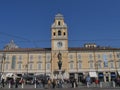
(13, 65)
(59, 23)
(64, 33)
(59, 33)
(53, 33)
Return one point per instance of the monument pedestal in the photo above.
(60, 74)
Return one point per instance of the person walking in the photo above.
(49, 83)
(54, 83)
(16, 83)
(96, 82)
(3, 82)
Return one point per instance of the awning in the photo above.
(119, 72)
(93, 74)
(113, 74)
(11, 75)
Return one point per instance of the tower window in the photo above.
(59, 33)
(59, 23)
(54, 33)
(64, 33)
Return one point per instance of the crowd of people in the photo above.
(51, 83)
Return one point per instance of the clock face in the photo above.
(59, 44)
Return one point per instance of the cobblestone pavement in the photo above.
(106, 86)
(62, 89)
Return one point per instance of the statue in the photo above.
(59, 62)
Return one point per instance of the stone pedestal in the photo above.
(60, 74)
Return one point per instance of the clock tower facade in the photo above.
(59, 34)
(59, 44)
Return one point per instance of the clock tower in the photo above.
(59, 34)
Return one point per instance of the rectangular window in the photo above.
(91, 64)
(39, 58)
(98, 56)
(13, 64)
(48, 66)
(71, 56)
(79, 65)
(48, 58)
(111, 65)
(30, 66)
(118, 55)
(79, 56)
(99, 65)
(31, 58)
(119, 64)
(71, 65)
(39, 66)
(110, 56)
(6, 66)
(7, 58)
(90, 56)
(105, 60)
(19, 66)
(20, 58)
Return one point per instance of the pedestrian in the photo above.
(54, 83)
(76, 83)
(49, 83)
(72, 82)
(11, 82)
(16, 83)
(96, 82)
(22, 82)
(3, 82)
(88, 81)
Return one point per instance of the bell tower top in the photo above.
(59, 16)
(59, 22)
(59, 34)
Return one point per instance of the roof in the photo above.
(49, 49)
(91, 49)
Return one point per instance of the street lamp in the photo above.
(96, 66)
(3, 62)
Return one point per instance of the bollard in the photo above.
(113, 84)
(9, 85)
(88, 84)
(74, 84)
(100, 84)
(22, 85)
(35, 84)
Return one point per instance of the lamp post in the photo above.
(96, 67)
(3, 62)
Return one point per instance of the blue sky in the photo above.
(28, 22)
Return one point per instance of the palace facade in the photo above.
(92, 60)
